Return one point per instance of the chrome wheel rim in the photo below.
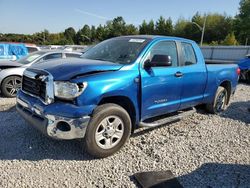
(220, 102)
(109, 132)
(13, 85)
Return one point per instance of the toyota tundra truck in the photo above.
(119, 85)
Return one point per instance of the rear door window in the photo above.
(189, 57)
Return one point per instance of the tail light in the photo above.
(238, 71)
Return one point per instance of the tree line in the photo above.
(220, 30)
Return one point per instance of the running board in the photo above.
(170, 118)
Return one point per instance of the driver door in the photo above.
(161, 86)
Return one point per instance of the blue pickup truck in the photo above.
(119, 85)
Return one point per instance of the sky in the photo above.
(30, 16)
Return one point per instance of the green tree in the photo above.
(217, 27)
(242, 22)
(116, 27)
(83, 36)
(131, 30)
(42, 37)
(164, 27)
(93, 33)
(56, 38)
(100, 33)
(194, 31)
(180, 26)
(70, 35)
(230, 40)
(147, 28)
(151, 27)
(143, 28)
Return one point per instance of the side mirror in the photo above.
(159, 61)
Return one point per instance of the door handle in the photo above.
(178, 74)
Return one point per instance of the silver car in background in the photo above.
(11, 72)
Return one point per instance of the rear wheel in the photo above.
(108, 130)
(220, 101)
(11, 85)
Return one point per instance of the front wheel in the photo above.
(220, 101)
(108, 130)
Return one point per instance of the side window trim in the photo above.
(179, 55)
(155, 43)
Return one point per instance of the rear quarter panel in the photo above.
(217, 74)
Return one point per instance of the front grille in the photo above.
(35, 87)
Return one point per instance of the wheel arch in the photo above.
(124, 102)
(228, 86)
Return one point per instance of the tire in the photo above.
(220, 102)
(109, 121)
(11, 85)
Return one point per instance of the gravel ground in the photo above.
(201, 150)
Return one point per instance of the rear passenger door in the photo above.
(194, 75)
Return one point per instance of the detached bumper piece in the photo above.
(53, 126)
(160, 179)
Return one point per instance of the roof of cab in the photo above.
(152, 37)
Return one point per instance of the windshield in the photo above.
(30, 58)
(117, 50)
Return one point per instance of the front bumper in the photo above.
(57, 127)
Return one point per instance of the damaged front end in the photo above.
(57, 127)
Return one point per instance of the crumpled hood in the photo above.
(9, 64)
(66, 69)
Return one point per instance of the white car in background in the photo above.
(32, 48)
(55, 47)
(11, 72)
(78, 48)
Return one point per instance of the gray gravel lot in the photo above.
(201, 150)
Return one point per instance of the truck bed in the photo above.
(213, 67)
(208, 61)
